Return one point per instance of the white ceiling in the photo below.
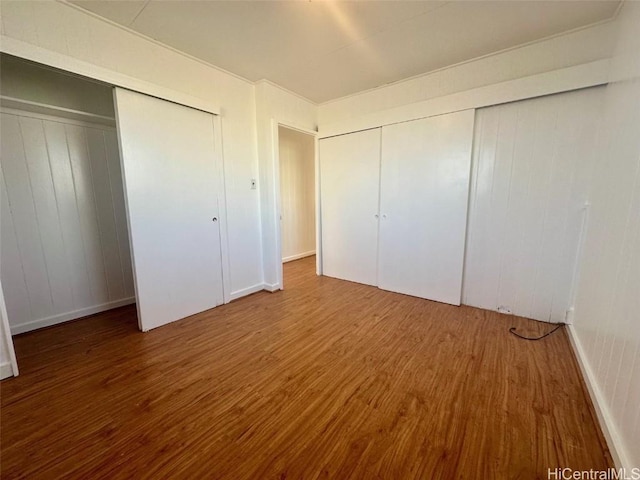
(323, 50)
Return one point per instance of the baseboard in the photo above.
(5, 370)
(246, 291)
(614, 442)
(271, 287)
(298, 256)
(65, 317)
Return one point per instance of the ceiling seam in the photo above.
(144, 5)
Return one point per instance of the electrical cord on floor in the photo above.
(513, 331)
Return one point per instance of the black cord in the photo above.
(513, 331)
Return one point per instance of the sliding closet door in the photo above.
(532, 167)
(423, 205)
(349, 185)
(168, 161)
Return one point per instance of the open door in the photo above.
(169, 172)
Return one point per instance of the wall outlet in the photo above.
(254, 183)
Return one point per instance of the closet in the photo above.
(104, 206)
(65, 249)
(394, 205)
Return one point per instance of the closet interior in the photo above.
(65, 241)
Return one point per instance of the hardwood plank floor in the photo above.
(327, 379)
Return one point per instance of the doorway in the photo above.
(297, 174)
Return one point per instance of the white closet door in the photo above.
(532, 166)
(423, 205)
(349, 185)
(168, 161)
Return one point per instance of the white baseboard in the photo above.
(614, 441)
(271, 287)
(65, 317)
(258, 287)
(298, 256)
(246, 291)
(5, 370)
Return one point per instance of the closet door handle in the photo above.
(214, 219)
(376, 215)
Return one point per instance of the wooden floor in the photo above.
(327, 379)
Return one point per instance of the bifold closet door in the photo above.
(349, 186)
(424, 190)
(168, 159)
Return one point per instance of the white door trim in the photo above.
(222, 209)
(7, 335)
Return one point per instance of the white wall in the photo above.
(34, 83)
(297, 193)
(580, 47)
(64, 30)
(274, 104)
(532, 165)
(607, 316)
(65, 246)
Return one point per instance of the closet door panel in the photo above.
(169, 169)
(119, 209)
(105, 212)
(532, 164)
(349, 185)
(424, 191)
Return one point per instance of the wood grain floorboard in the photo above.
(327, 379)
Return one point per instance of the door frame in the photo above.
(275, 141)
(8, 340)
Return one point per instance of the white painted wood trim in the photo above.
(13, 362)
(258, 287)
(6, 370)
(40, 110)
(60, 117)
(37, 54)
(65, 317)
(298, 256)
(222, 209)
(272, 287)
(277, 200)
(316, 151)
(614, 441)
(246, 291)
(562, 80)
